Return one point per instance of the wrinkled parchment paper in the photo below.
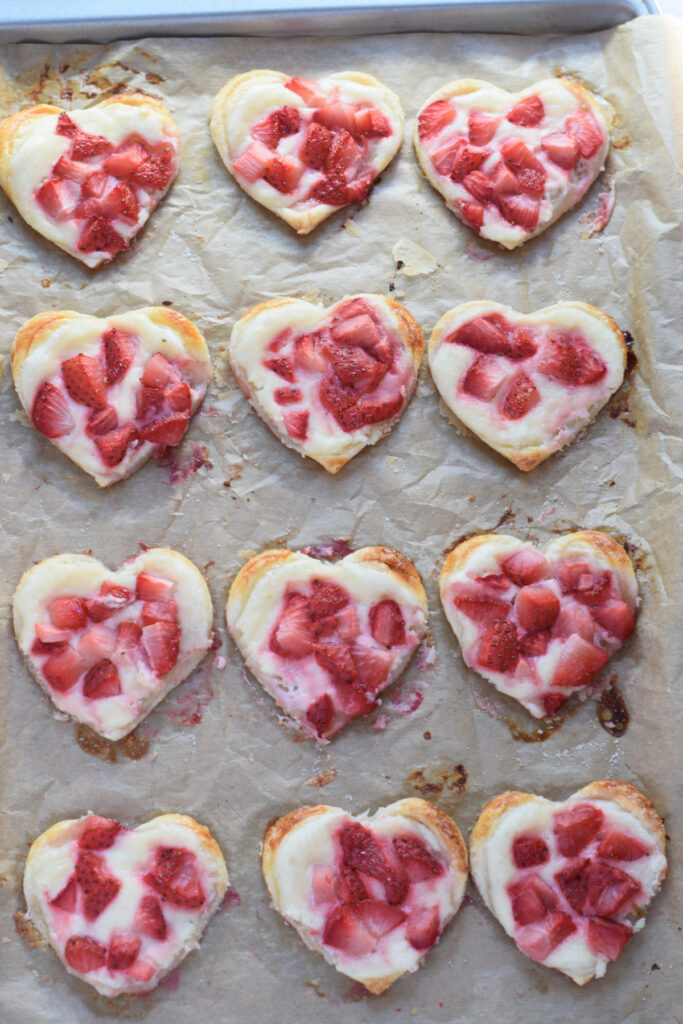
(212, 253)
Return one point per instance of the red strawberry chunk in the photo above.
(296, 424)
(323, 885)
(337, 661)
(531, 182)
(65, 126)
(478, 185)
(434, 118)
(95, 184)
(344, 931)
(363, 852)
(149, 918)
(377, 917)
(102, 421)
(610, 890)
(293, 634)
(320, 714)
(316, 146)
(97, 885)
(592, 589)
(499, 647)
(571, 361)
(67, 613)
(156, 173)
(518, 155)
(353, 698)
(529, 851)
(84, 146)
(443, 158)
(146, 400)
(158, 611)
(617, 846)
(578, 663)
(552, 702)
(355, 367)
(160, 372)
(484, 378)
(310, 92)
(359, 330)
(277, 125)
(472, 213)
(176, 878)
(561, 148)
(83, 378)
(480, 607)
(283, 366)
(120, 201)
(63, 668)
(569, 574)
(539, 940)
(527, 565)
(287, 396)
(98, 833)
(520, 398)
(345, 155)
(466, 158)
(128, 635)
(607, 938)
(387, 624)
(50, 413)
(58, 198)
(528, 112)
(309, 354)
(419, 863)
(337, 115)
(483, 334)
(373, 665)
(504, 182)
(101, 681)
(424, 925)
(533, 645)
(520, 210)
(573, 881)
(179, 397)
(372, 122)
(113, 447)
(119, 351)
(349, 887)
(283, 173)
(251, 164)
(96, 643)
(161, 644)
(84, 954)
(149, 587)
(617, 618)
(326, 599)
(331, 190)
(481, 127)
(123, 950)
(126, 160)
(74, 171)
(346, 623)
(49, 634)
(532, 899)
(537, 608)
(575, 827)
(167, 429)
(359, 188)
(99, 236)
(66, 898)
(586, 130)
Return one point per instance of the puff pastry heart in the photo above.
(526, 384)
(121, 907)
(106, 646)
(570, 881)
(109, 393)
(89, 179)
(304, 148)
(323, 639)
(328, 382)
(373, 894)
(539, 625)
(510, 164)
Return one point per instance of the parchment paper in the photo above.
(212, 252)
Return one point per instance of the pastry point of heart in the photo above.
(107, 646)
(570, 881)
(539, 625)
(305, 148)
(122, 907)
(328, 382)
(372, 893)
(510, 164)
(89, 179)
(326, 639)
(109, 393)
(526, 384)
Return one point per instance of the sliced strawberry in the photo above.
(518, 156)
(607, 938)
(424, 925)
(120, 202)
(125, 161)
(332, 190)
(349, 886)
(481, 127)
(84, 954)
(98, 833)
(520, 398)
(66, 898)
(532, 899)
(119, 349)
(359, 330)
(277, 125)
(346, 623)
(373, 410)
(296, 424)
(373, 665)
(479, 606)
(586, 130)
(520, 210)
(283, 173)
(310, 91)
(344, 931)
(378, 917)
(504, 182)
(148, 401)
(149, 587)
(63, 668)
(156, 173)
(161, 644)
(531, 182)
(539, 940)
(167, 429)
(98, 886)
(95, 185)
(176, 878)
(49, 634)
(578, 663)
(251, 164)
(372, 122)
(74, 171)
(552, 702)
(67, 613)
(472, 213)
(58, 198)
(528, 112)
(102, 421)
(527, 565)
(344, 155)
(309, 354)
(610, 890)
(323, 885)
(443, 158)
(617, 846)
(326, 599)
(96, 643)
(569, 574)
(123, 950)
(102, 681)
(529, 851)
(419, 863)
(356, 367)
(320, 714)
(65, 126)
(179, 397)
(336, 116)
(158, 611)
(573, 882)
(113, 447)
(484, 378)
(574, 619)
(337, 661)
(160, 372)
(387, 624)
(571, 361)
(479, 186)
(99, 236)
(561, 148)
(483, 334)
(434, 118)
(617, 618)
(283, 366)
(466, 158)
(149, 918)
(83, 378)
(359, 188)
(362, 851)
(537, 608)
(293, 634)
(316, 146)
(287, 396)
(499, 647)
(128, 635)
(575, 827)
(353, 698)
(533, 645)
(50, 413)
(592, 589)
(84, 145)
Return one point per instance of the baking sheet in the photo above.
(212, 252)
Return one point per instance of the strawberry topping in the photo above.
(296, 424)
(528, 112)
(537, 608)
(607, 938)
(435, 117)
(67, 613)
(520, 398)
(98, 833)
(362, 851)
(50, 413)
(84, 954)
(102, 680)
(316, 146)
(532, 899)
(539, 940)
(423, 928)
(119, 352)
(320, 714)
(113, 447)
(63, 668)
(99, 236)
(276, 126)
(416, 859)
(499, 647)
(161, 644)
(123, 950)
(66, 899)
(570, 361)
(561, 148)
(578, 663)
(481, 127)
(83, 378)
(149, 918)
(575, 827)
(176, 879)
(617, 846)
(97, 885)
(529, 851)
(387, 624)
(587, 132)
(484, 378)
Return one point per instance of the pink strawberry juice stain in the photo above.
(231, 899)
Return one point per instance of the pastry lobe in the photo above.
(89, 180)
(106, 646)
(110, 393)
(526, 385)
(328, 382)
(323, 639)
(122, 907)
(539, 625)
(373, 894)
(510, 164)
(570, 881)
(305, 148)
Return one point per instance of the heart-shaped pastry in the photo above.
(108, 646)
(328, 382)
(526, 384)
(109, 393)
(121, 907)
(89, 180)
(305, 148)
(374, 893)
(570, 881)
(510, 164)
(539, 625)
(326, 639)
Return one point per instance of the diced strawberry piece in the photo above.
(412, 852)
(113, 447)
(362, 852)
(344, 155)
(378, 917)
(160, 372)
(331, 190)
(359, 330)
(293, 634)
(617, 618)
(344, 931)
(571, 361)
(161, 644)
(353, 698)
(337, 116)
(323, 884)
(251, 164)
(176, 878)
(373, 665)
(484, 378)
(387, 624)
(532, 899)
(424, 925)
(494, 581)
(472, 213)
(466, 158)
(63, 668)
(520, 398)
(66, 898)
(309, 354)
(372, 122)
(537, 608)
(574, 619)
(67, 613)
(479, 606)
(283, 173)
(552, 702)
(84, 146)
(149, 918)
(74, 171)
(149, 587)
(326, 599)
(520, 210)
(575, 827)
(434, 118)
(168, 429)
(102, 421)
(359, 188)
(346, 623)
(356, 367)
(102, 681)
(283, 366)
(50, 413)
(607, 938)
(316, 146)
(499, 647)
(539, 940)
(337, 661)
(156, 173)
(38, 647)
(296, 424)
(531, 182)
(119, 349)
(561, 148)
(84, 954)
(529, 851)
(349, 886)
(592, 589)
(481, 127)
(146, 400)
(83, 378)
(287, 396)
(98, 833)
(122, 163)
(578, 663)
(120, 201)
(99, 236)
(95, 184)
(527, 565)
(98, 886)
(528, 112)
(443, 158)
(58, 198)
(276, 126)
(96, 643)
(310, 91)
(128, 635)
(372, 410)
(158, 611)
(618, 846)
(533, 645)
(569, 574)
(320, 714)
(123, 950)
(518, 155)
(483, 334)
(49, 634)
(610, 890)
(586, 130)
(504, 182)
(179, 397)
(478, 185)
(65, 126)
